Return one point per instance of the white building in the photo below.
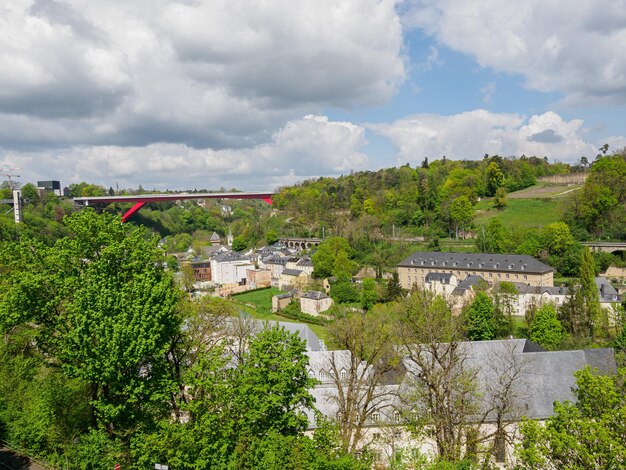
(230, 268)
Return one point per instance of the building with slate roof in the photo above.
(230, 268)
(541, 378)
(293, 279)
(315, 302)
(493, 268)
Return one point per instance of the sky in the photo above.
(254, 95)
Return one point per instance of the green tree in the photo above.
(479, 319)
(368, 296)
(393, 290)
(343, 268)
(238, 411)
(499, 199)
(271, 237)
(461, 212)
(106, 315)
(574, 316)
(29, 193)
(327, 252)
(493, 238)
(505, 295)
(586, 434)
(344, 292)
(590, 300)
(239, 243)
(546, 329)
(495, 178)
(557, 238)
(272, 385)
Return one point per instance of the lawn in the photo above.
(258, 305)
(262, 299)
(520, 327)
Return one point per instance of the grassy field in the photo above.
(258, 304)
(536, 206)
(523, 213)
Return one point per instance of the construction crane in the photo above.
(6, 172)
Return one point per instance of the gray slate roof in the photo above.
(476, 261)
(545, 376)
(606, 290)
(467, 283)
(230, 256)
(292, 272)
(444, 278)
(550, 290)
(315, 295)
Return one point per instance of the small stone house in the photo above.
(314, 302)
(280, 301)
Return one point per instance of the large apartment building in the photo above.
(493, 268)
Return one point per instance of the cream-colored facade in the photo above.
(314, 302)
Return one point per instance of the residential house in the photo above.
(314, 302)
(293, 279)
(280, 301)
(276, 265)
(608, 294)
(257, 278)
(305, 264)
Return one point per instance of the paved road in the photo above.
(11, 461)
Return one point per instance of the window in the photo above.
(322, 375)
(525, 276)
(397, 434)
(376, 416)
(507, 275)
(499, 275)
(396, 416)
(343, 374)
(490, 274)
(376, 436)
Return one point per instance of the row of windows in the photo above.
(323, 375)
(475, 273)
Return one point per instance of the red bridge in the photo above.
(142, 199)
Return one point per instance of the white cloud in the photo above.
(471, 134)
(224, 73)
(575, 48)
(303, 148)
